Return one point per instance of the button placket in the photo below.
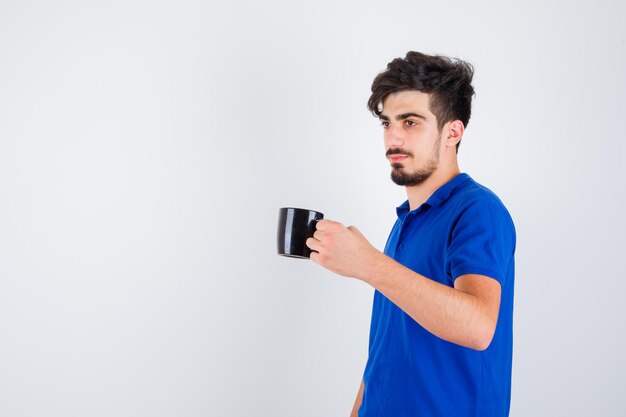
(410, 217)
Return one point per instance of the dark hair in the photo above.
(449, 82)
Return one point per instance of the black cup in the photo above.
(295, 226)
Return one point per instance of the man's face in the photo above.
(412, 140)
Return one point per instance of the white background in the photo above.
(146, 146)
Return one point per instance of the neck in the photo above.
(418, 194)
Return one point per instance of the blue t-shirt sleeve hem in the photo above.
(464, 270)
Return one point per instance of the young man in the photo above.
(441, 334)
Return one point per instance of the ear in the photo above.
(455, 133)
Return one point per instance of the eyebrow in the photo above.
(403, 116)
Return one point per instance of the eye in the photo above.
(411, 123)
(384, 124)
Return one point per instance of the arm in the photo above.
(465, 315)
(357, 402)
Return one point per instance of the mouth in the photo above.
(395, 159)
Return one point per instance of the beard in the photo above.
(417, 177)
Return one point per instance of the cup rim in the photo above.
(300, 208)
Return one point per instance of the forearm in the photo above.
(448, 313)
(357, 402)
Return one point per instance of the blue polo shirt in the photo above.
(463, 228)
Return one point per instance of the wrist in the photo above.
(377, 269)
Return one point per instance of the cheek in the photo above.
(420, 145)
(423, 151)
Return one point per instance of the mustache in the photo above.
(397, 151)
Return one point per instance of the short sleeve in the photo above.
(482, 241)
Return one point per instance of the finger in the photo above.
(312, 243)
(326, 224)
(315, 257)
(320, 224)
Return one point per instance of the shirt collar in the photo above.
(438, 197)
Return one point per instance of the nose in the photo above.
(394, 137)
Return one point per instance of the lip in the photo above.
(397, 158)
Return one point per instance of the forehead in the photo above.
(407, 101)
